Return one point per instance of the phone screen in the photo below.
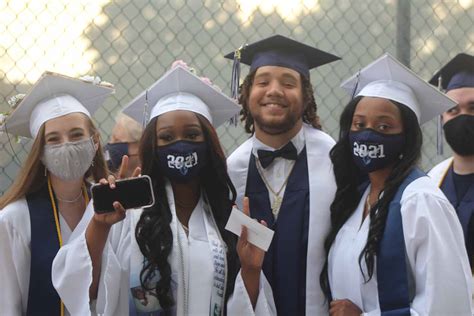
(131, 193)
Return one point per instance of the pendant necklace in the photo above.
(278, 199)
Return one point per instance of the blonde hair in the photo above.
(132, 128)
(31, 176)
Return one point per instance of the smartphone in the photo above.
(131, 193)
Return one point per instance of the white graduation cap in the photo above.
(387, 78)
(179, 89)
(54, 95)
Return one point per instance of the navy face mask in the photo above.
(372, 150)
(114, 153)
(181, 161)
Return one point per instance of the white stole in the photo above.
(178, 259)
(439, 171)
(322, 188)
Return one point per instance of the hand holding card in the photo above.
(257, 234)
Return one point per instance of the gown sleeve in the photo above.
(239, 303)
(436, 253)
(72, 274)
(14, 262)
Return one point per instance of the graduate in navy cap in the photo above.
(455, 175)
(284, 168)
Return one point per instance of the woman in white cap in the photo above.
(174, 258)
(395, 245)
(45, 206)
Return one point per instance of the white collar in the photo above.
(298, 141)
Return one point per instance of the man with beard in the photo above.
(284, 168)
(456, 174)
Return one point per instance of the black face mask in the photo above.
(459, 134)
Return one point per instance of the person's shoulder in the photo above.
(15, 218)
(317, 138)
(14, 211)
(439, 169)
(423, 202)
(241, 154)
(422, 188)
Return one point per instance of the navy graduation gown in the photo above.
(464, 209)
(285, 261)
(393, 281)
(42, 297)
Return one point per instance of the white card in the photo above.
(258, 234)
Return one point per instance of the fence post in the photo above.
(403, 31)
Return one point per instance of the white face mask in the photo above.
(69, 161)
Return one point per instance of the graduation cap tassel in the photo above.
(356, 85)
(146, 111)
(235, 82)
(439, 129)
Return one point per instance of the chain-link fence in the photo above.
(132, 43)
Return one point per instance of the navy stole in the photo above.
(42, 297)
(392, 275)
(284, 264)
(464, 209)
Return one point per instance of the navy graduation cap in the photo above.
(280, 51)
(457, 73)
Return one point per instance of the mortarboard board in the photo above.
(54, 95)
(457, 73)
(280, 51)
(179, 89)
(387, 78)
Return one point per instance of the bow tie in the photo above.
(266, 157)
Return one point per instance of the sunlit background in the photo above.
(132, 43)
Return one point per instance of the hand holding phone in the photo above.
(131, 193)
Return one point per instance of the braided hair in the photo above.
(153, 232)
(348, 178)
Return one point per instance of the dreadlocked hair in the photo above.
(153, 232)
(349, 178)
(310, 108)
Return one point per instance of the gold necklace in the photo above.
(278, 199)
(186, 228)
(367, 202)
(71, 201)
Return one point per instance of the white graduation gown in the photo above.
(15, 254)
(439, 171)
(322, 188)
(73, 265)
(439, 270)
(437, 174)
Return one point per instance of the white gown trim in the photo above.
(322, 189)
(437, 259)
